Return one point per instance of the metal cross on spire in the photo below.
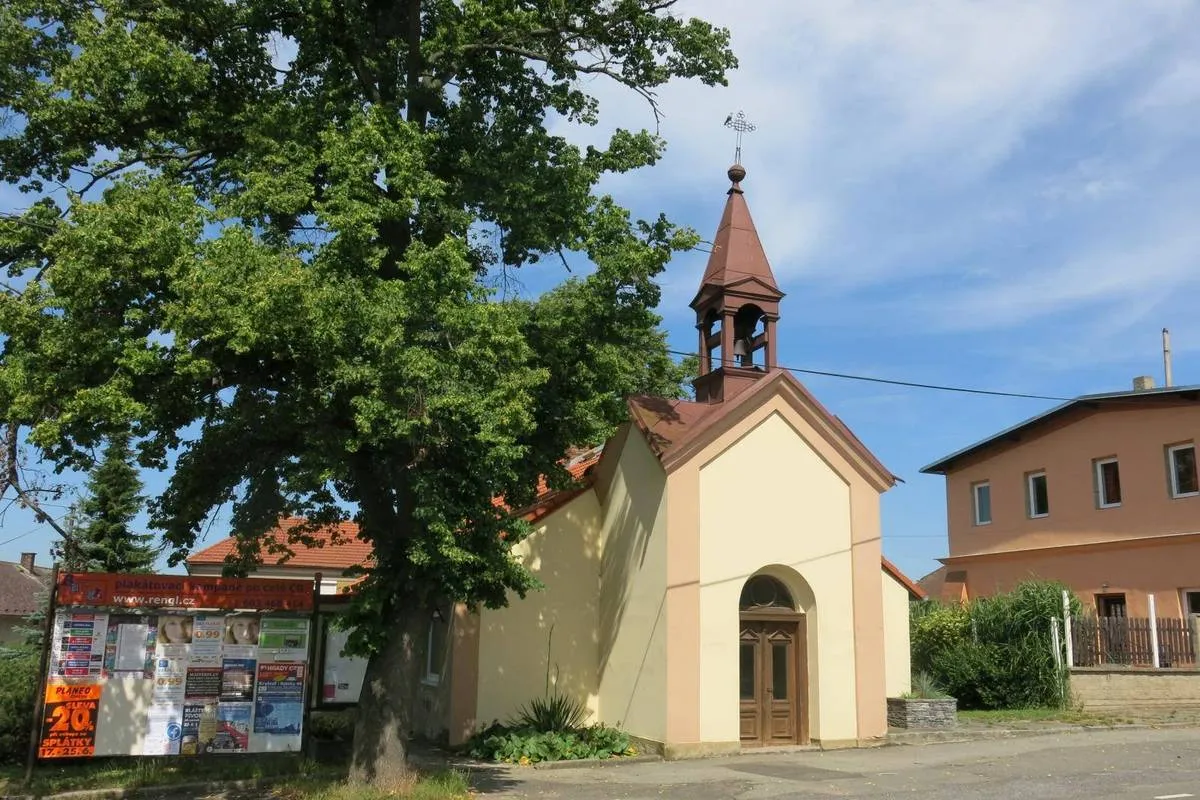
(742, 126)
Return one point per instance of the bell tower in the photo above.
(737, 305)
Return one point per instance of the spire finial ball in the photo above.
(737, 173)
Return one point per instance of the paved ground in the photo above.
(1114, 765)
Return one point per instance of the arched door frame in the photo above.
(764, 627)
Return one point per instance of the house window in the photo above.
(435, 650)
(1110, 605)
(982, 496)
(1181, 462)
(1191, 602)
(1108, 483)
(1039, 494)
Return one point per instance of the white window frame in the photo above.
(433, 675)
(1101, 500)
(1030, 494)
(1172, 473)
(975, 487)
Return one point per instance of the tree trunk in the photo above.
(387, 703)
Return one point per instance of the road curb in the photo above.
(167, 790)
(958, 735)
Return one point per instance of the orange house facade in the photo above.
(1100, 492)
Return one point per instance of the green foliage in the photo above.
(18, 685)
(554, 713)
(332, 725)
(924, 687)
(101, 539)
(526, 745)
(994, 652)
(284, 280)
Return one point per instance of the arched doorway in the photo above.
(773, 659)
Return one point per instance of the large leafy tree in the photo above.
(279, 273)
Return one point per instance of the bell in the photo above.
(741, 351)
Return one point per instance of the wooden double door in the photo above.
(773, 681)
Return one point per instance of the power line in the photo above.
(909, 384)
(19, 536)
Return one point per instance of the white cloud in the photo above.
(1003, 162)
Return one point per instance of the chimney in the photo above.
(27, 560)
(1143, 383)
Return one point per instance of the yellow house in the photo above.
(715, 580)
(718, 582)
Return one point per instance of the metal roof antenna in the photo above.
(1167, 356)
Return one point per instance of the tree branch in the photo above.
(12, 478)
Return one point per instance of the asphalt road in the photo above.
(1108, 765)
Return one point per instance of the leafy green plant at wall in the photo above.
(994, 652)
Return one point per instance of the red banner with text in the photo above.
(103, 589)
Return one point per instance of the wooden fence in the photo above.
(1125, 641)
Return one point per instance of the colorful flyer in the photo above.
(279, 699)
(78, 645)
(237, 679)
(199, 728)
(233, 727)
(169, 680)
(174, 636)
(207, 633)
(69, 721)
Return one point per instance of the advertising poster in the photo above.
(233, 727)
(77, 650)
(199, 728)
(237, 679)
(174, 635)
(170, 676)
(207, 633)
(129, 649)
(283, 639)
(69, 722)
(202, 683)
(279, 699)
(164, 730)
(342, 676)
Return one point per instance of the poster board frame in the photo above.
(101, 593)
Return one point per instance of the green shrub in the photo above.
(994, 652)
(332, 725)
(556, 713)
(526, 745)
(924, 687)
(18, 685)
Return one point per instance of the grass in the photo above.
(50, 778)
(1065, 715)
(445, 785)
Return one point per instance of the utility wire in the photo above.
(18, 536)
(910, 384)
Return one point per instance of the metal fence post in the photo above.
(1067, 628)
(1155, 661)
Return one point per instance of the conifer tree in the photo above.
(105, 542)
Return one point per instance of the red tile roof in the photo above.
(914, 588)
(339, 548)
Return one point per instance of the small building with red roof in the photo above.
(714, 580)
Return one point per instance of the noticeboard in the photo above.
(138, 676)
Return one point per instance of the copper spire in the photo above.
(737, 255)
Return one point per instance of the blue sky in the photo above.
(997, 196)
